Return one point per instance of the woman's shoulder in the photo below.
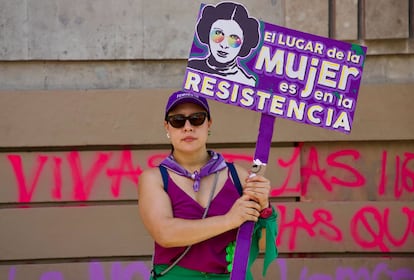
(150, 176)
(199, 64)
(245, 78)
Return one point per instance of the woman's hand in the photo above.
(258, 189)
(244, 209)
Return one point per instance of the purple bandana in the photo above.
(216, 163)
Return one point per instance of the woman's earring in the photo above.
(168, 135)
(209, 133)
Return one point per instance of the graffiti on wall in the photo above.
(312, 168)
(118, 167)
(83, 179)
(369, 226)
(140, 270)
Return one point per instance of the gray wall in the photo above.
(144, 44)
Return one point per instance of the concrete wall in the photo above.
(82, 87)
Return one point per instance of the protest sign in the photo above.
(239, 60)
(279, 72)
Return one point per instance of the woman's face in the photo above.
(188, 138)
(226, 39)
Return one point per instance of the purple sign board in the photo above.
(239, 60)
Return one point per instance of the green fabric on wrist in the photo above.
(271, 250)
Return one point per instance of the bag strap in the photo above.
(235, 177)
(213, 190)
(164, 175)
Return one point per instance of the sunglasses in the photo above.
(178, 121)
(233, 40)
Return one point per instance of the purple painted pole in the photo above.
(244, 236)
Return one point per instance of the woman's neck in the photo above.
(214, 64)
(193, 161)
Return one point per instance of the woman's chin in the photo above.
(222, 60)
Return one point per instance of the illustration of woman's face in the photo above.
(226, 39)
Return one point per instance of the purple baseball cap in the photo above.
(181, 97)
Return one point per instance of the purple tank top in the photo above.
(209, 255)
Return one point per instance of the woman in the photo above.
(229, 33)
(193, 201)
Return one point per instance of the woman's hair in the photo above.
(229, 11)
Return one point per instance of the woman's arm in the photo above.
(156, 213)
(258, 189)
